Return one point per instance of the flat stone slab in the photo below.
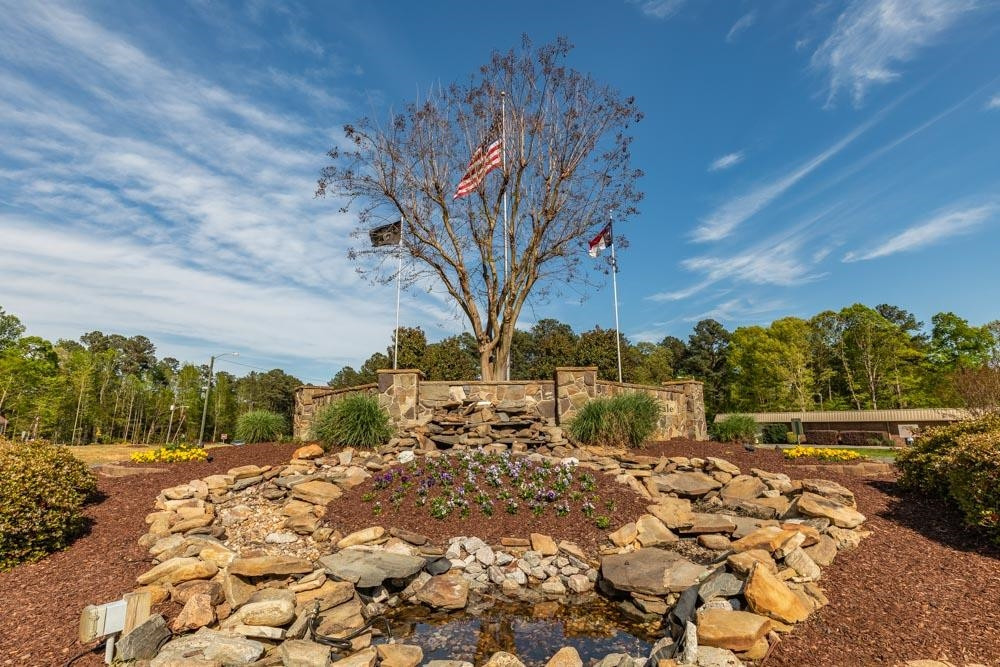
(651, 571)
(370, 568)
(687, 483)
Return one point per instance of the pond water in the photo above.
(532, 632)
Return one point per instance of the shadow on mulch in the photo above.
(932, 517)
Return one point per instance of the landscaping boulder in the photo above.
(208, 645)
(769, 596)
(734, 630)
(264, 566)
(370, 568)
(842, 516)
(687, 483)
(445, 591)
(651, 571)
(177, 570)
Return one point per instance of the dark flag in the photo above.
(386, 234)
(487, 157)
(601, 241)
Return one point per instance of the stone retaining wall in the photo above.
(407, 396)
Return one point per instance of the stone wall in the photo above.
(407, 396)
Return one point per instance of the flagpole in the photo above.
(614, 285)
(506, 237)
(399, 285)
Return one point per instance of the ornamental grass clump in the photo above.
(260, 426)
(627, 420)
(356, 420)
(43, 489)
(735, 428)
(476, 483)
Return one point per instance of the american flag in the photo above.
(487, 157)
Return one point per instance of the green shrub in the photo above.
(42, 492)
(260, 426)
(626, 420)
(774, 434)
(960, 462)
(735, 428)
(357, 420)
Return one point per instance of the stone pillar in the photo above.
(398, 393)
(575, 387)
(695, 427)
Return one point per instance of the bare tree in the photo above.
(979, 388)
(567, 164)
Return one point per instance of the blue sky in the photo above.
(158, 162)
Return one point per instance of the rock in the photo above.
(445, 591)
(705, 522)
(798, 560)
(846, 539)
(723, 465)
(447, 663)
(543, 544)
(714, 541)
(841, 515)
(743, 562)
(567, 656)
(264, 566)
(710, 656)
(687, 483)
(485, 556)
(416, 539)
(823, 552)
(362, 536)
(365, 658)
(236, 590)
(399, 655)
(274, 610)
(502, 659)
(579, 583)
(303, 524)
(651, 571)
(317, 492)
(768, 538)
(143, 641)
(437, 565)
(720, 585)
(652, 532)
(280, 538)
(743, 487)
(259, 631)
(366, 569)
(243, 472)
(553, 586)
(304, 653)
(831, 490)
(218, 554)
(343, 619)
(182, 592)
(406, 456)
(734, 630)
(198, 612)
(625, 535)
(330, 594)
(157, 593)
(209, 645)
(308, 452)
(673, 512)
(769, 596)
(177, 570)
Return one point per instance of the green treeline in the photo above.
(855, 358)
(110, 388)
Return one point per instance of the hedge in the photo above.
(824, 438)
(864, 438)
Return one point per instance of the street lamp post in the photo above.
(208, 390)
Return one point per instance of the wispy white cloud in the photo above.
(742, 24)
(942, 226)
(659, 9)
(726, 218)
(726, 161)
(994, 102)
(738, 310)
(871, 38)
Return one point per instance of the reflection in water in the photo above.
(531, 632)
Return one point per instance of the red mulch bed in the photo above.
(349, 513)
(921, 587)
(40, 603)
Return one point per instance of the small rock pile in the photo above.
(514, 425)
(729, 560)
